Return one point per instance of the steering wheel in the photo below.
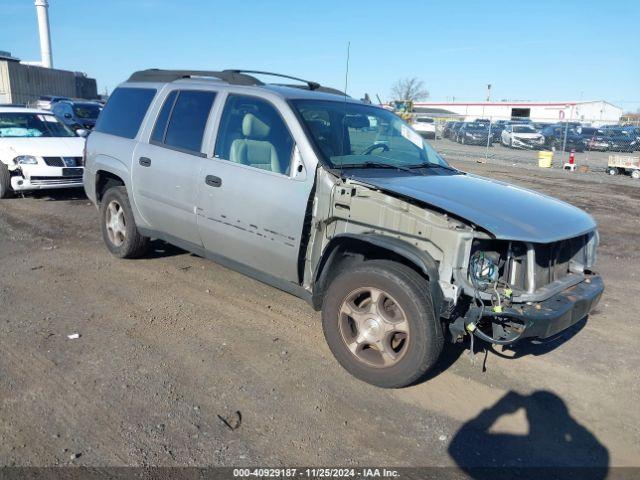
(375, 146)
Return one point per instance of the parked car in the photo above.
(594, 139)
(37, 151)
(474, 133)
(447, 130)
(496, 130)
(292, 186)
(425, 126)
(521, 136)
(45, 102)
(453, 135)
(76, 114)
(621, 139)
(557, 137)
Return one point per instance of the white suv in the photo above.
(425, 126)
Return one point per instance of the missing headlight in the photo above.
(483, 269)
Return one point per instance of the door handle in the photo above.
(145, 161)
(213, 181)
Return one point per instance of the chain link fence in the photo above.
(589, 143)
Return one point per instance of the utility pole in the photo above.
(488, 92)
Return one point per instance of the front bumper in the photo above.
(550, 317)
(527, 144)
(430, 134)
(19, 183)
(476, 141)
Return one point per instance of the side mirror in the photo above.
(299, 171)
(81, 132)
(67, 115)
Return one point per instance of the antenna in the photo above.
(344, 119)
(346, 75)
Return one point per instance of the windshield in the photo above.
(477, 127)
(87, 110)
(20, 125)
(355, 135)
(523, 129)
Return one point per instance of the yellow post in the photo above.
(545, 159)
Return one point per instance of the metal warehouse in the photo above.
(594, 113)
(22, 83)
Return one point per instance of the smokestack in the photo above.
(45, 37)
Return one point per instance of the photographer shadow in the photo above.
(555, 445)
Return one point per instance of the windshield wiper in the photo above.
(376, 165)
(431, 165)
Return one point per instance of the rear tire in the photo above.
(390, 338)
(5, 181)
(119, 229)
(635, 174)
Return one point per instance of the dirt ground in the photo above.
(173, 344)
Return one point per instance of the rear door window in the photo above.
(125, 110)
(187, 121)
(160, 129)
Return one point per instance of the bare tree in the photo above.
(409, 89)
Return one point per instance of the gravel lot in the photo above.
(172, 344)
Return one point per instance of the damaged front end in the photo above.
(521, 290)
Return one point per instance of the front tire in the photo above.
(5, 181)
(379, 323)
(119, 229)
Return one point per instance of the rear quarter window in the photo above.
(125, 110)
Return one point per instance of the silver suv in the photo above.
(340, 203)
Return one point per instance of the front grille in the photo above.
(553, 259)
(63, 161)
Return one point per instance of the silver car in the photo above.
(340, 203)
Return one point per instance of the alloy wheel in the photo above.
(116, 225)
(374, 327)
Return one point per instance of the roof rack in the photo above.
(320, 88)
(157, 75)
(233, 77)
(310, 84)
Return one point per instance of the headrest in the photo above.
(253, 127)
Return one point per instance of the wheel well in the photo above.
(348, 251)
(104, 181)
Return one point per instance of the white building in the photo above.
(594, 113)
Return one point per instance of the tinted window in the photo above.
(188, 119)
(253, 133)
(125, 111)
(161, 123)
(86, 110)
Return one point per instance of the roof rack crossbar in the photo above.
(310, 84)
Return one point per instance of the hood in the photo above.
(506, 211)
(41, 147)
